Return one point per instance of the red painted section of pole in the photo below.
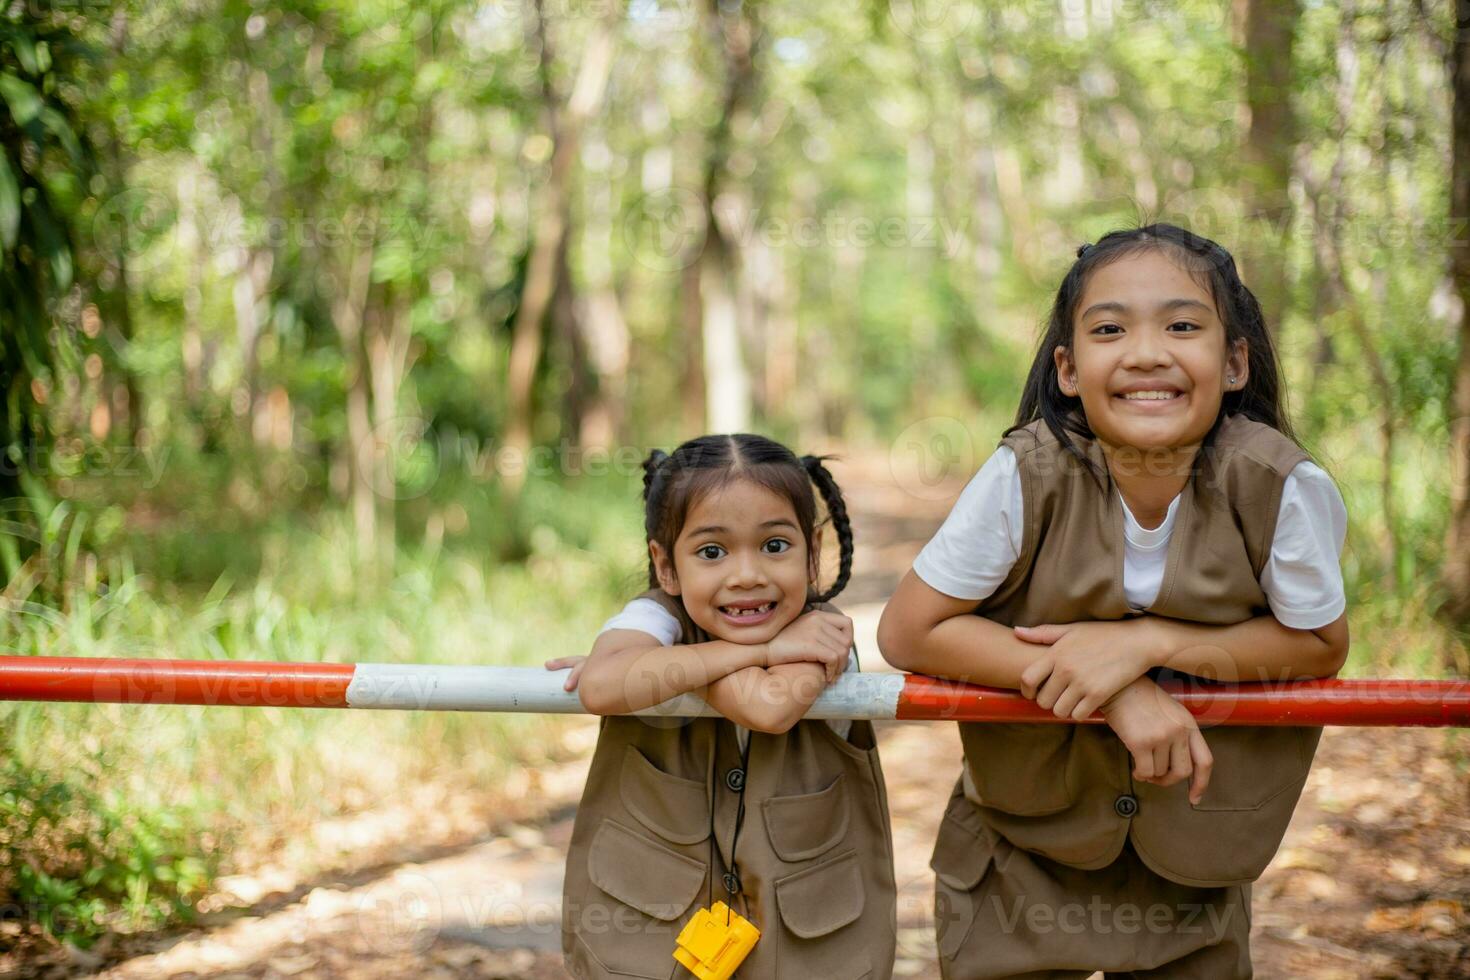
(1320, 702)
(116, 681)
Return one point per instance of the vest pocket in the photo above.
(961, 858)
(1254, 765)
(655, 886)
(807, 826)
(815, 903)
(674, 808)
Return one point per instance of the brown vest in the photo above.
(1064, 791)
(815, 856)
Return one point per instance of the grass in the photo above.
(118, 817)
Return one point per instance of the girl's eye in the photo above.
(1107, 328)
(776, 546)
(1185, 324)
(710, 552)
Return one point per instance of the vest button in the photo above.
(735, 779)
(1125, 805)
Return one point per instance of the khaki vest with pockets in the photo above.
(815, 853)
(1055, 789)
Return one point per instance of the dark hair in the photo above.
(1262, 399)
(672, 482)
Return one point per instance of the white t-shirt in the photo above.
(649, 617)
(978, 544)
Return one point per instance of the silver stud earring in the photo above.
(1231, 380)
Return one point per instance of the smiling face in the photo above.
(1149, 357)
(740, 563)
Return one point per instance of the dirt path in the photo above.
(1373, 880)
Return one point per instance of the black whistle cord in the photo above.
(734, 873)
(731, 879)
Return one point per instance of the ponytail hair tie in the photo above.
(651, 466)
(1082, 249)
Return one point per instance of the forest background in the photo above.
(337, 330)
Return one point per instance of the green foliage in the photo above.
(43, 162)
(118, 817)
(77, 862)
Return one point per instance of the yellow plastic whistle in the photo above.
(713, 943)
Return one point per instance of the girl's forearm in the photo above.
(1259, 649)
(768, 700)
(970, 648)
(623, 681)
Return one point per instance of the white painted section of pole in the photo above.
(426, 687)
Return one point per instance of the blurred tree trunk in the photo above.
(257, 261)
(727, 379)
(547, 265)
(691, 322)
(604, 422)
(1457, 550)
(1270, 40)
(978, 135)
(349, 311)
(1330, 204)
(389, 330)
(604, 329)
(1066, 184)
(116, 300)
(568, 328)
(191, 238)
(1014, 194)
(770, 294)
(726, 375)
(252, 302)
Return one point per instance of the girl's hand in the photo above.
(1086, 664)
(576, 663)
(816, 637)
(1162, 736)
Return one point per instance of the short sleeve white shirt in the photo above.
(979, 543)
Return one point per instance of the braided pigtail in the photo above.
(653, 485)
(837, 514)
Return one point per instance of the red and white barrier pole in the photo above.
(909, 697)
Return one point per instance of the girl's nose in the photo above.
(747, 572)
(1146, 350)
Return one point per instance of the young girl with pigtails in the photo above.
(1149, 514)
(701, 834)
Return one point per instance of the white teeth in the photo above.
(1151, 396)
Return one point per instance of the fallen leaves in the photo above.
(1441, 916)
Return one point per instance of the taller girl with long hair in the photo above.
(1149, 513)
